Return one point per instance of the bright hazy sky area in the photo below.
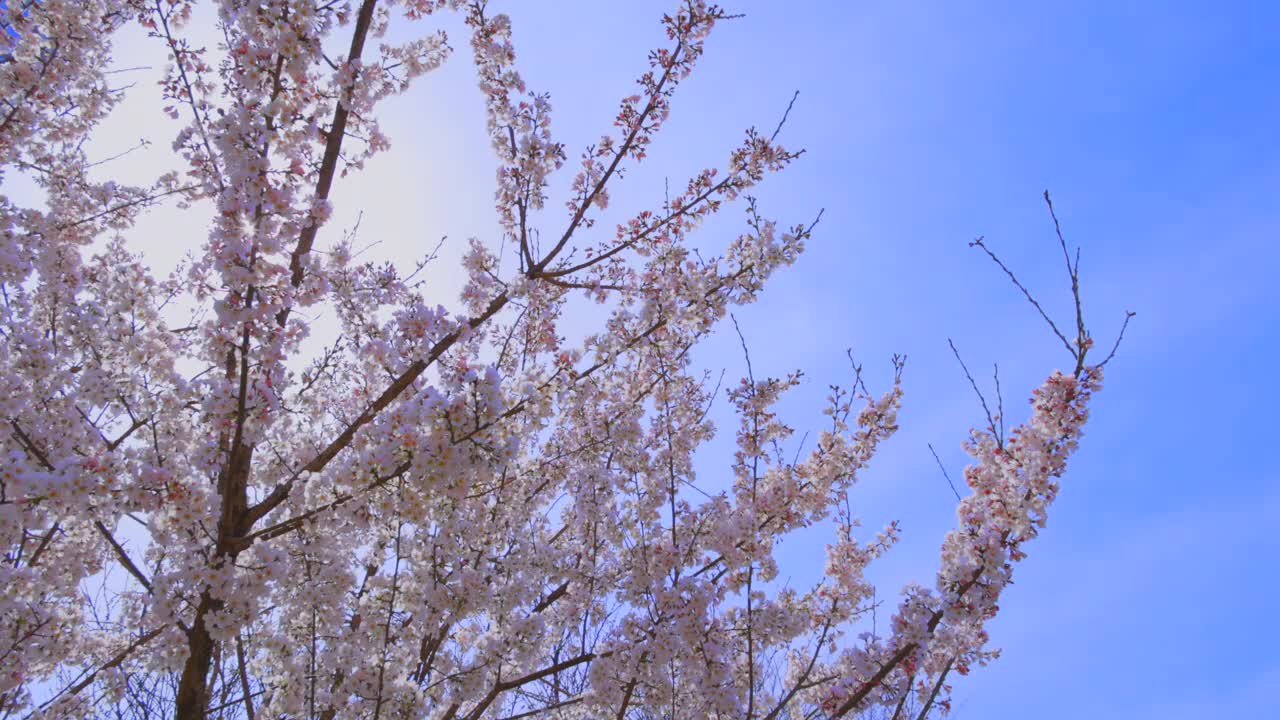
(925, 125)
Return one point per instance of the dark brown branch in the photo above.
(332, 149)
(902, 701)
(393, 391)
(804, 677)
(874, 681)
(554, 706)
(115, 661)
(506, 685)
(551, 597)
(44, 543)
(924, 712)
(244, 679)
(122, 556)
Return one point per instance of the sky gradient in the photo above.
(926, 125)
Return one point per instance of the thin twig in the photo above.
(745, 352)
(999, 400)
(1128, 314)
(1018, 284)
(783, 121)
(1073, 270)
(944, 471)
(991, 423)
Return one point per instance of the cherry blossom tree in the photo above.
(439, 512)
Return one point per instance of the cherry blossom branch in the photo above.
(126, 206)
(119, 551)
(245, 693)
(86, 678)
(404, 381)
(625, 147)
(505, 685)
(401, 383)
(123, 556)
(545, 709)
(937, 686)
(190, 95)
(801, 681)
(332, 148)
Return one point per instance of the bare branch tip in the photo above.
(943, 468)
(786, 113)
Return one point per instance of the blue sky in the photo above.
(925, 125)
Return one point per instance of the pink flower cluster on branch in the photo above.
(1013, 483)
